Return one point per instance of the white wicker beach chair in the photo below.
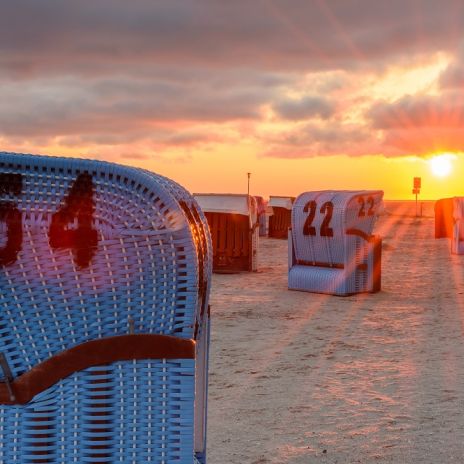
(234, 227)
(104, 327)
(331, 246)
(457, 239)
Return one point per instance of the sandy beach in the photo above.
(377, 378)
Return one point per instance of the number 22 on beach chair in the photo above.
(331, 246)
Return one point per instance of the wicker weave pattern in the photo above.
(324, 255)
(330, 249)
(199, 229)
(356, 277)
(146, 266)
(130, 412)
(150, 273)
(315, 279)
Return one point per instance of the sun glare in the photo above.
(441, 165)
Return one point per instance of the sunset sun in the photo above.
(441, 165)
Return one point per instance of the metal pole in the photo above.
(416, 206)
(249, 175)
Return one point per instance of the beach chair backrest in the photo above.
(322, 221)
(280, 220)
(90, 249)
(229, 203)
(232, 219)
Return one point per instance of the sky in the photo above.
(304, 94)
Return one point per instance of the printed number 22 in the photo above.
(78, 205)
(327, 210)
(370, 211)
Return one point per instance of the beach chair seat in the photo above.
(104, 327)
(123, 411)
(281, 217)
(234, 228)
(331, 246)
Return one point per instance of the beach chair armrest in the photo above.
(362, 234)
(93, 353)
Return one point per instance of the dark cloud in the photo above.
(93, 36)
(453, 77)
(114, 108)
(305, 108)
(312, 140)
